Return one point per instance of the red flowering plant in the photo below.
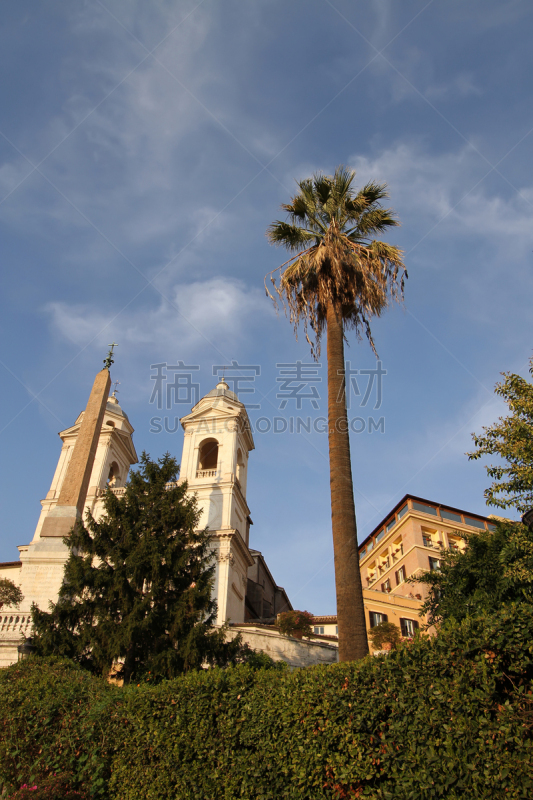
(295, 623)
(55, 787)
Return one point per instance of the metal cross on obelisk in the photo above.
(110, 360)
(115, 390)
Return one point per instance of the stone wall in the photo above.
(296, 652)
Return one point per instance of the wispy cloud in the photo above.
(215, 316)
(447, 190)
(461, 85)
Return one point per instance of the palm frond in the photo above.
(341, 189)
(305, 209)
(322, 186)
(290, 236)
(343, 266)
(375, 220)
(373, 192)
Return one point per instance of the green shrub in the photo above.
(56, 787)
(51, 713)
(449, 717)
(385, 633)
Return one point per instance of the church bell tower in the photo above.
(217, 442)
(97, 451)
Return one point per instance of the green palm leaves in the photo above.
(331, 227)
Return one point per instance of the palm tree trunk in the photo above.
(353, 643)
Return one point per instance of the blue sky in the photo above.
(145, 148)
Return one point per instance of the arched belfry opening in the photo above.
(208, 455)
(114, 475)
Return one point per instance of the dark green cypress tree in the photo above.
(137, 589)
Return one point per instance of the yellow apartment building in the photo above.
(406, 543)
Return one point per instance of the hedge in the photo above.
(449, 717)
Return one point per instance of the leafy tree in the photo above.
(10, 593)
(137, 585)
(385, 633)
(289, 622)
(338, 280)
(496, 567)
(511, 438)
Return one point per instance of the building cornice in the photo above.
(417, 499)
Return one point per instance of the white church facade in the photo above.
(97, 452)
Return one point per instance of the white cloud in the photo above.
(449, 189)
(216, 316)
(125, 167)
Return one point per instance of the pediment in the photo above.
(210, 411)
(127, 443)
(125, 429)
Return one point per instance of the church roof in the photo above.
(113, 407)
(222, 390)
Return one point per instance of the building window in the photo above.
(400, 576)
(423, 507)
(380, 536)
(240, 466)
(474, 523)
(336, 630)
(398, 551)
(402, 511)
(408, 627)
(434, 563)
(386, 587)
(376, 618)
(426, 538)
(450, 515)
(319, 629)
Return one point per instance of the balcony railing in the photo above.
(432, 545)
(15, 623)
(206, 473)
(119, 491)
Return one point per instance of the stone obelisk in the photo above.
(71, 501)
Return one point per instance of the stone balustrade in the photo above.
(206, 473)
(14, 624)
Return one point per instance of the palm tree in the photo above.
(338, 280)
